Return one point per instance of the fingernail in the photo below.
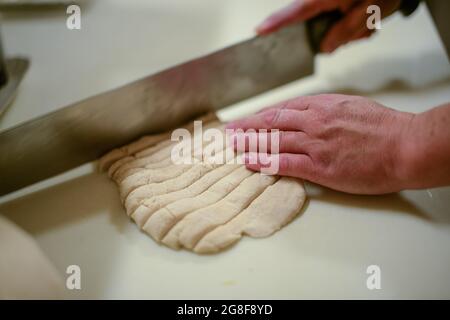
(250, 158)
(231, 126)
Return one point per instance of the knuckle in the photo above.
(271, 117)
(297, 104)
(324, 158)
(324, 116)
(348, 101)
(285, 165)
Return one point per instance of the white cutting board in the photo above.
(77, 218)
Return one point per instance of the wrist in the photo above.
(419, 153)
(409, 153)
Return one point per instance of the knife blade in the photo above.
(82, 132)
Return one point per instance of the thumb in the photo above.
(349, 28)
(299, 10)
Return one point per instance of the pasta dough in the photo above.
(204, 206)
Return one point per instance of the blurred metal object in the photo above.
(14, 70)
(82, 132)
(439, 12)
(11, 73)
(3, 72)
(28, 3)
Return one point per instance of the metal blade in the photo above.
(82, 132)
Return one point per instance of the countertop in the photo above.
(324, 253)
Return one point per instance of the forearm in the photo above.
(426, 149)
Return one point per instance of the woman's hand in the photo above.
(347, 143)
(351, 27)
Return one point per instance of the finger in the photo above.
(273, 142)
(292, 165)
(299, 10)
(358, 35)
(282, 119)
(305, 103)
(353, 23)
(363, 35)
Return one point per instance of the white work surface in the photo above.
(77, 218)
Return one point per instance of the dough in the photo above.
(143, 143)
(204, 206)
(196, 224)
(162, 220)
(154, 157)
(143, 207)
(274, 208)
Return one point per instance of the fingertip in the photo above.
(328, 45)
(262, 29)
(325, 49)
(247, 158)
(270, 24)
(366, 34)
(295, 165)
(253, 167)
(231, 126)
(251, 161)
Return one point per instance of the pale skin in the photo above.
(351, 143)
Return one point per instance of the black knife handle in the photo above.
(318, 27)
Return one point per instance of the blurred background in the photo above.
(77, 218)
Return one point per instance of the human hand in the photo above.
(351, 27)
(347, 143)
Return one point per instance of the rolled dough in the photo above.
(205, 206)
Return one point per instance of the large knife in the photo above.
(79, 133)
